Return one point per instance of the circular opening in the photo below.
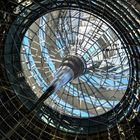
(60, 33)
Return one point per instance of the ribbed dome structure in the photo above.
(70, 70)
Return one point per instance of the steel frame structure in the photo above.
(14, 124)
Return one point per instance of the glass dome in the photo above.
(97, 42)
(60, 33)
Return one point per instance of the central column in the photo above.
(71, 67)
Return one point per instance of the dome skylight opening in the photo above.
(60, 33)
